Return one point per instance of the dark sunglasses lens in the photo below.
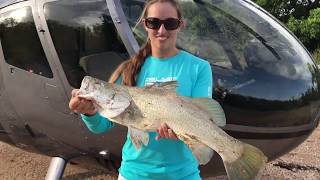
(171, 23)
(153, 23)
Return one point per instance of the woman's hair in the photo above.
(130, 68)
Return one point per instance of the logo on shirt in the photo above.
(153, 80)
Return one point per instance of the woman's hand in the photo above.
(81, 105)
(165, 132)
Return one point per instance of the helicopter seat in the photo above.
(100, 65)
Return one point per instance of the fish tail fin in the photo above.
(249, 166)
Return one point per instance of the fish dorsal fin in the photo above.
(213, 108)
(169, 85)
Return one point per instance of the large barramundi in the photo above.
(194, 120)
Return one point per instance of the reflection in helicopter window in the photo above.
(132, 11)
(200, 36)
(256, 63)
(20, 42)
(85, 38)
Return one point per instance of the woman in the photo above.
(159, 60)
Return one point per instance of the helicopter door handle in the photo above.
(11, 70)
(42, 31)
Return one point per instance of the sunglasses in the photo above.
(169, 24)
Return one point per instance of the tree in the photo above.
(307, 29)
(302, 17)
(284, 9)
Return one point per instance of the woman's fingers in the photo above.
(86, 107)
(160, 134)
(165, 132)
(81, 105)
(75, 92)
(164, 129)
(172, 135)
(74, 103)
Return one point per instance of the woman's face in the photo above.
(162, 40)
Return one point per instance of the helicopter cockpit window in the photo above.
(198, 37)
(213, 35)
(85, 38)
(228, 35)
(132, 10)
(20, 42)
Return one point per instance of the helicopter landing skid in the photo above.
(56, 168)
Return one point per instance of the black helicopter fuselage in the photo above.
(264, 78)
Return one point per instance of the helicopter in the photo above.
(264, 78)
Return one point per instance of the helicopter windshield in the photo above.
(243, 40)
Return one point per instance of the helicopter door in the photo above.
(25, 68)
(31, 79)
(84, 40)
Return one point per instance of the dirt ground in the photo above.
(301, 163)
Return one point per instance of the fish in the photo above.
(195, 121)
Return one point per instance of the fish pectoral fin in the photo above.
(202, 152)
(213, 108)
(138, 137)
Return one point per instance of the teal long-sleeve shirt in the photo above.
(164, 158)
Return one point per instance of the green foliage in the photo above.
(276, 7)
(316, 55)
(284, 9)
(308, 29)
(206, 26)
(302, 18)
